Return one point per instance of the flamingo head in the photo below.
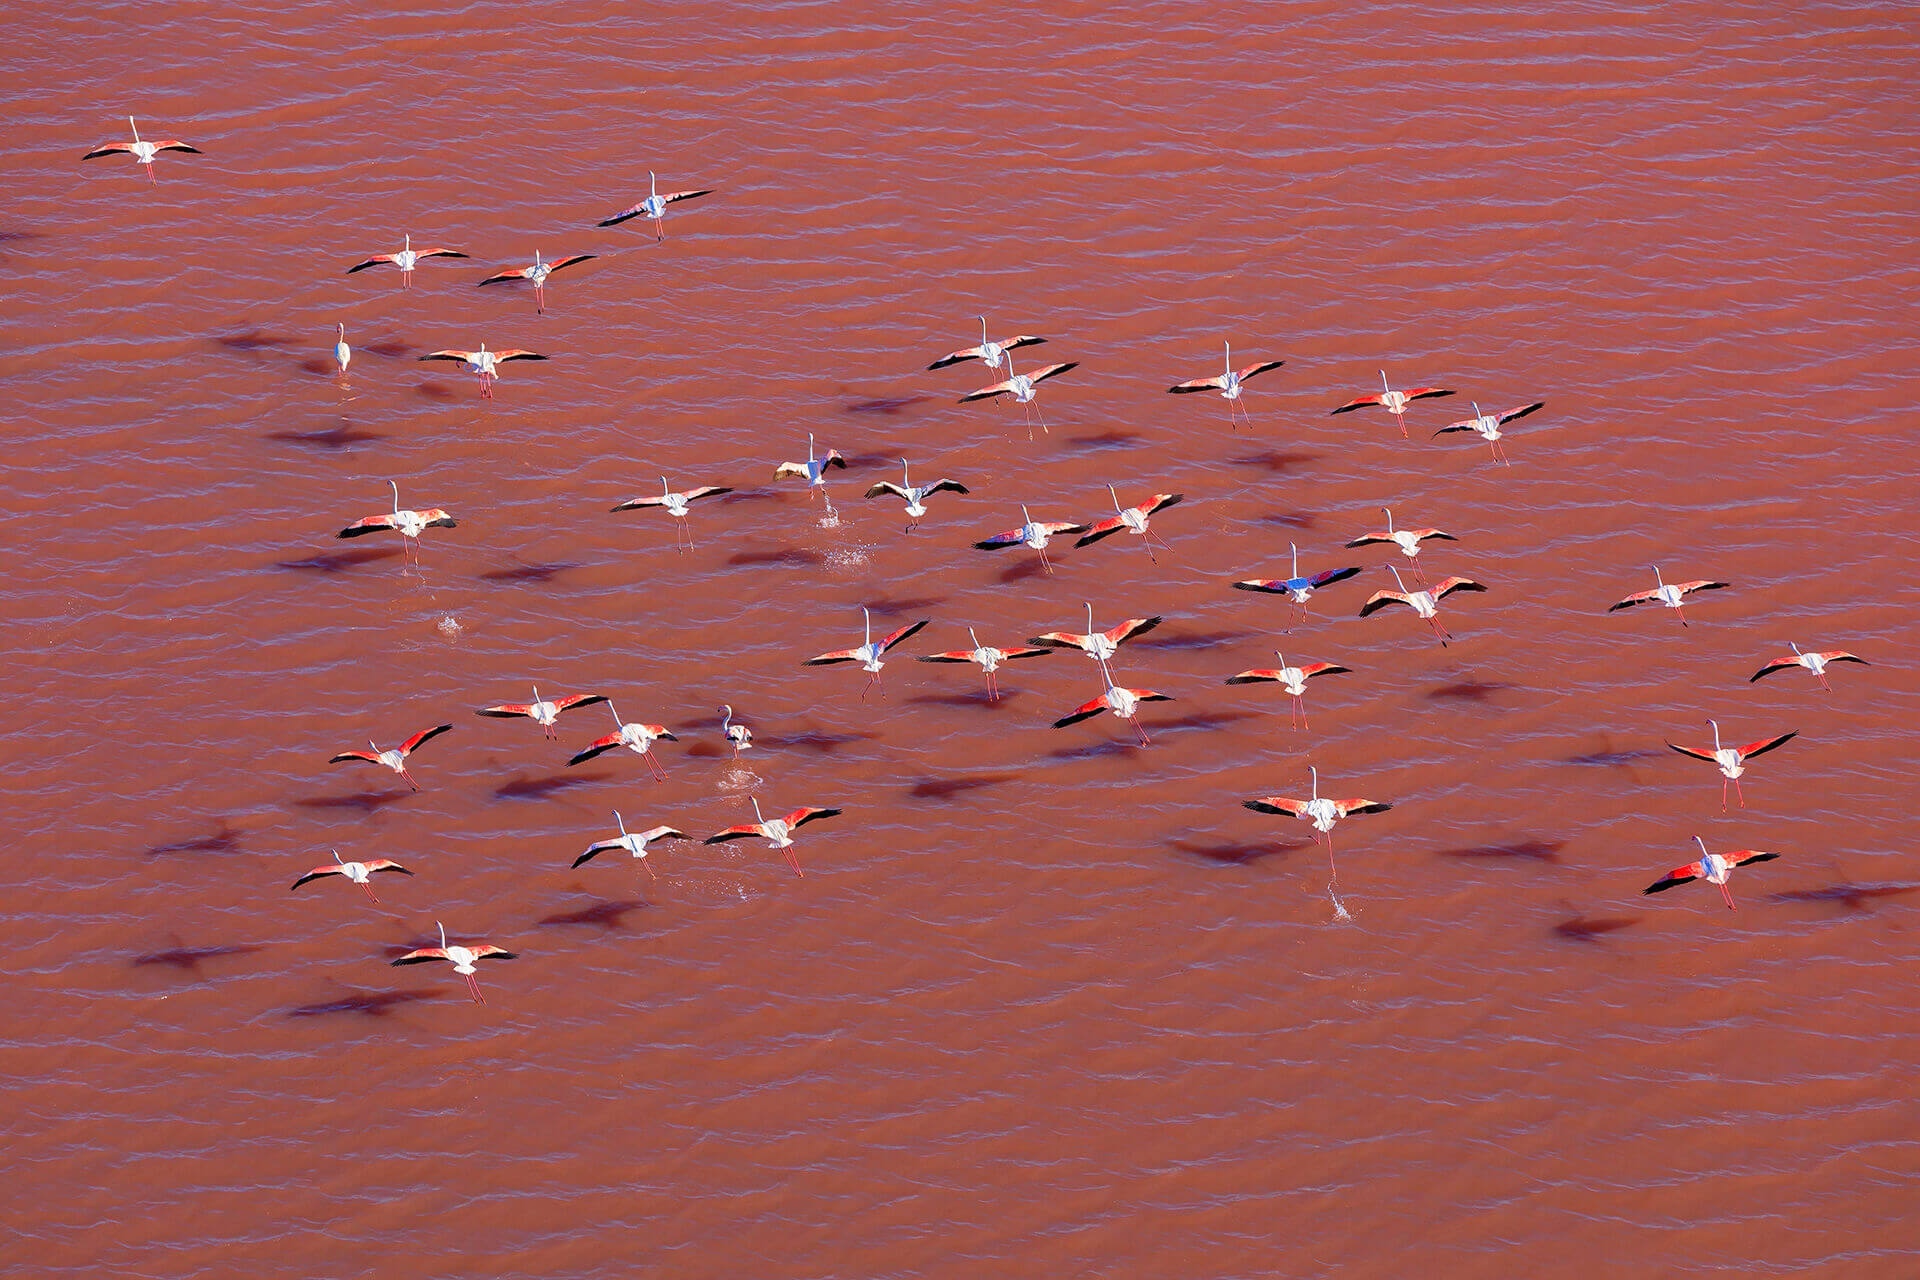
(443, 934)
(1703, 846)
(1316, 781)
(1716, 733)
(336, 857)
(1089, 617)
(664, 489)
(1294, 547)
(758, 816)
(620, 822)
(396, 494)
(1116, 497)
(1656, 576)
(1389, 511)
(1025, 516)
(1796, 648)
(1384, 384)
(1396, 579)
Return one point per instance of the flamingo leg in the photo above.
(1822, 678)
(1682, 611)
(540, 299)
(793, 862)
(1738, 793)
(1140, 729)
(1044, 562)
(1419, 575)
(658, 772)
(474, 987)
(1727, 896)
(1402, 416)
(409, 778)
(993, 688)
(649, 867)
(370, 894)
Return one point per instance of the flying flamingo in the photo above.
(1408, 540)
(142, 152)
(1134, 521)
(1294, 679)
(1124, 703)
(1668, 594)
(1297, 588)
(1101, 646)
(634, 843)
(654, 206)
(676, 506)
(1814, 662)
(1021, 387)
(342, 353)
(1394, 402)
(358, 872)
(485, 363)
(737, 735)
(778, 832)
(1031, 535)
(1228, 384)
(541, 712)
(1424, 603)
(869, 655)
(461, 958)
(1322, 813)
(988, 353)
(407, 259)
(814, 472)
(394, 758)
(409, 524)
(538, 273)
(1732, 760)
(1488, 426)
(914, 496)
(1712, 867)
(989, 658)
(639, 737)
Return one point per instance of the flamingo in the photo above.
(1297, 588)
(988, 353)
(1021, 387)
(1031, 535)
(1293, 678)
(814, 472)
(461, 958)
(1488, 426)
(1134, 521)
(778, 833)
(1670, 594)
(486, 364)
(737, 735)
(538, 273)
(1101, 646)
(342, 353)
(654, 206)
(1408, 540)
(639, 737)
(1732, 760)
(358, 872)
(1424, 603)
(409, 524)
(540, 711)
(394, 758)
(676, 506)
(1122, 702)
(634, 843)
(1321, 812)
(1712, 867)
(1228, 384)
(1394, 402)
(869, 655)
(989, 659)
(142, 152)
(914, 496)
(407, 259)
(1814, 662)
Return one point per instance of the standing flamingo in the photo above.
(1424, 603)
(1021, 387)
(1101, 646)
(1712, 867)
(1122, 702)
(342, 353)
(738, 736)
(358, 872)
(407, 259)
(914, 496)
(394, 758)
(1394, 402)
(1294, 679)
(1669, 594)
(142, 152)
(540, 711)
(1488, 426)
(1228, 384)
(989, 659)
(778, 832)
(1732, 760)
(538, 273)
(484, 363)
(1031, 535)
(869, 655)
(1297, 588)
(1321, 812)
(676, 506)
(637, 737)
(409, 524)
(1814, 662)
(988, 353)
(654, 206)
(1134, 521)
(634, 843)
(1408, 540)
(461, 958)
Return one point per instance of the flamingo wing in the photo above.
(1052, 370)
(487, 951)
(385, 864)
(316, 874)
(1324, 669)
(810, 813)
(1428, 393)
(1276, 804)
(174, 144)
(677, 196)
(437, 518)
(1368, 539)
(951, 486)
(1132, 627)
(501, 357)
(1438, 535)
(1470, 424)
(887, 642)
(1447, 586)
(634, 504)
(1332, 575)
(372, 524)
(631, 211)
(598, 848)
(1060, 640)
(1380, 600)
(1272, 585)
(744, 831)
(380, 260)
(705, 491)
(573, 700)
(1679, 875)
(1778, 664)
(110, 149)
(1026, 653)
(1020, 340)
(570, 261)
(663, 833)
(997, 389)
(1053, 528)
(506, 710)
(955, 357)
(833, 459)
(1522, 411)
(1102, 529)
(1698, 753)
(793, 469)
(1350, 807)
(1149, 695)
(887, 486)
(521, 274)
(599, 746)
(1765, 745)
(1361, 403)
(1262, 367)
(1085, 710)
(1841, 655)
(1260, 675)
(999, 541)
(1638, 597)
(345, 756)
(421, 956)
(1699, 584)
(833, 656)
(951, 655)
(1160, 502)
(425, 735)
(464, 357)
(1741, 857)
(1196, 384)
(438, 253)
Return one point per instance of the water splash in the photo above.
(449, 626)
